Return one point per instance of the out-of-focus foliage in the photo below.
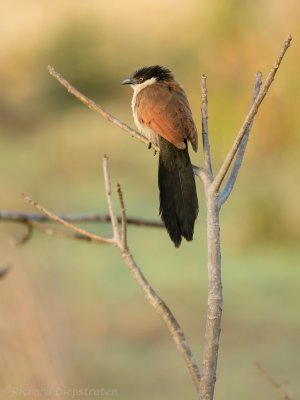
(97, 329)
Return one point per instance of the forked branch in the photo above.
(119, 239)
(241, 150)
(214, 200)
(40, 222)
(249, 118)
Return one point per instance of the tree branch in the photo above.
(214, 299)
(215, 295)
(55, 232)
(241, 150)
(20, 217)
(23, 217)
(98, 109)
(113, 217)
(123, 218)
(205, 137)
(120, 241)
(55, 218)
(249, 118)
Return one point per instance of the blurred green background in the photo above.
(72, 317)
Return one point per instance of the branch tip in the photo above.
(123, 219)
(50, 69)
(246, 126)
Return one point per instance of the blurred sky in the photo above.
(51, 148)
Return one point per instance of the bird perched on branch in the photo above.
(162, 113)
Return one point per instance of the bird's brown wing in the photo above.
(164, 109)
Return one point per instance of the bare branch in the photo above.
(282, 390)
(163, 310)
(201, 174)
(123, 218)
(50, 231)
(98, 109)
(55, 218)
(205, 138)
(241, 150)
(153, 298)
(23, 217)
(214, 299)
(114, 221)
(249, 118)
(95, 107)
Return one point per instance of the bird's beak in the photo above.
(127, 82)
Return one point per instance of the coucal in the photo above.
(162, 113)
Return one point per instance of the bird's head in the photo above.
(148, 75)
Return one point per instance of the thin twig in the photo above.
(98, 109)
(114, 221)
(205, 137)
(123, 218)
(241, 150)
(24, 217)
(215, 295)
(55, 218)
(249, 118)
(50, 231)
(280, 389)
(153, 298)
(163, 310)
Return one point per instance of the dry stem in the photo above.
(55, 218)
(98, 109)
(241, 150)
(119, 239)
(205, 137)
(249, 118)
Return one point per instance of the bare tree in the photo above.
(215, 194)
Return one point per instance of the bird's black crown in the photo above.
(154, 71)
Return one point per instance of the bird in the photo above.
(162, 113)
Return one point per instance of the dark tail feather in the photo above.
(178, 196)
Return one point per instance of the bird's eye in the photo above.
(141, 78)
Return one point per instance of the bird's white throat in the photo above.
(152, 136)
(138, 88)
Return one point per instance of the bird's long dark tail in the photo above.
(178, 196)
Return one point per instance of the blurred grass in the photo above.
(86, 310)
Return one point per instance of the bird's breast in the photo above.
(141, 126)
